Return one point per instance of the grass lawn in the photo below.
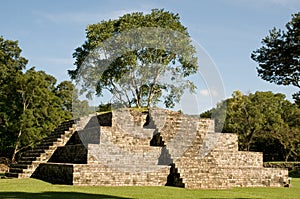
(32, 188)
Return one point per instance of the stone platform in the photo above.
(155, 148)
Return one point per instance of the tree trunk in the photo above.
(287, 155)
(16, 149)
(247, 146)
(286, 158)
(149, 102)
(138, 104)
(249, 139)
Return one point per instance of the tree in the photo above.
(11, 66)
(288, 134)
(264, 122)
(279, 57)
(40, 109)
(31, 105)
(136, 50)
(11, 63)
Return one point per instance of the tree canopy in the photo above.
(139, 58)
(31, 104)
(279, 57)
(265, 122)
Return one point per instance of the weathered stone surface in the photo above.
(129, 148)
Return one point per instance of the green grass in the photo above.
(32, 188)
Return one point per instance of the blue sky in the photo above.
(229, 30)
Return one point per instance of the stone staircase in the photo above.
(225, 167)
(31, 159)
(181, 135)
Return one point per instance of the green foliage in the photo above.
(41, 109)
(206, 114)
(81, 108)
(132, 67)
(264, 122)
(278, 58)
(104, 107)
(11, 65)
(294, 173)
(296, 97)
(67, 92)
(31, 105)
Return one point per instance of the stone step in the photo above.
(15, 170)
(30, 158)
(45, 147)
(35, 150)
(31, 154)
(63, 132)
(21, 166)
(54, 135)
(12, 175)
(65, 125)
(25, 162)
(37, 156)
(185, 128)
(48, 143)
(53, 140)
(66, 134)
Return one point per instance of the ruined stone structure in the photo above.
(130, 148)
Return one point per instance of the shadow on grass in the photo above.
(63, 195)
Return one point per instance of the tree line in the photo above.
(264, 122)
(32, 103)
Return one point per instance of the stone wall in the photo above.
(76, 154)
(56, 173)
(99, 174)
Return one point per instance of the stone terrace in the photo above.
(131, 148)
